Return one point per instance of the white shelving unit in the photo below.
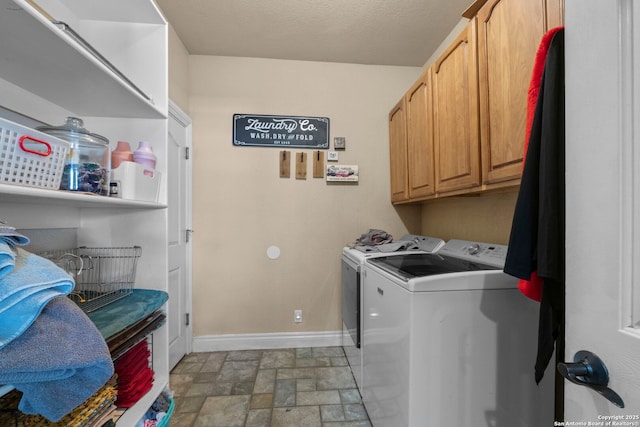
(48, 75)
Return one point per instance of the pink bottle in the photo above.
(122, 153)
(144, 155)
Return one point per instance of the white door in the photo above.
(179, 213)
(603, 202)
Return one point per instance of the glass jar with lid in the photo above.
(88, 164)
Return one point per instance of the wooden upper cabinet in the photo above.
(509, 32)
(455, 103)
(461, 127)
(398, 152)
(419, 114)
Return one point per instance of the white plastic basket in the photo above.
(29, 157)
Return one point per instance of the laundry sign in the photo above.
(280, 131)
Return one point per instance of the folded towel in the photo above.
(7, 258)
(25, 291)
(135, 378)
(10, 235)
(58, 362)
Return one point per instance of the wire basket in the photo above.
(102, 275)
(29, 157)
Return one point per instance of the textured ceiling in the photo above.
(380, 32)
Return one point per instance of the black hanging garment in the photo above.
(537, 241)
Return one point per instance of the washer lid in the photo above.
(410, 266)
(421, 244)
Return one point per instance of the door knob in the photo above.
(590, 371)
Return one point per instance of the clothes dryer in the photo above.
(449, 341)
(352, 261)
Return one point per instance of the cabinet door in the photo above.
(509, 32)
(455, 99)
(555, 13)
(420, 138)
(398, 152)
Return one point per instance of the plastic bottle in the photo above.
(144, 155)
(122, 153)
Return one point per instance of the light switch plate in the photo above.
(339, 142)
(332, 156)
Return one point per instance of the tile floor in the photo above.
(303, 387)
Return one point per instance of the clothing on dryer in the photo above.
(374, 237)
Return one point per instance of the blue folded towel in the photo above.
(7, 258)
(25, 290)
(58, 362)
(10, 235)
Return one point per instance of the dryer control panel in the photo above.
(486, 253)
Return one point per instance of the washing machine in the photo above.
(449, 341)
(352, 261)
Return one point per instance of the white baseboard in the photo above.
(231, 342)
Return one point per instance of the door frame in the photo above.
(181, 117)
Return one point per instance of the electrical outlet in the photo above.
(297, 316)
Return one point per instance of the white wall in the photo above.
(242, 206)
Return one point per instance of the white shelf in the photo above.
(113, 10)
(133, 415)
(32, 195)
(33, 47)
(47, 74)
